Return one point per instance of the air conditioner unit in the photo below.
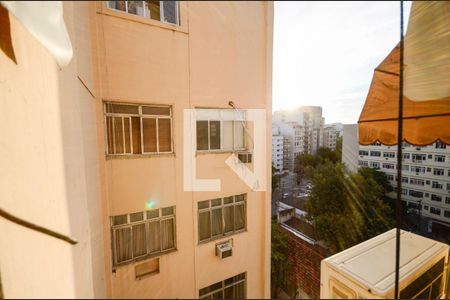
(363, 271)
(224, 250)
(245, 157)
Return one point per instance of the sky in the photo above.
(325, 53)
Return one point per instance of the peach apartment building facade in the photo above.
(115, 165)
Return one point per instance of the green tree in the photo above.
(280, 265)
(347, 208)
(304, 164)
(339, 148)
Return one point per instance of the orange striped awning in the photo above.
(426, 101)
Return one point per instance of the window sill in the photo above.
(227, 236)
(140, 259)
(203, 152)
(139, 156)
(104, 10)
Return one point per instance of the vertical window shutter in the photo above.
(204, 225)
(149, 134)
(167, 234)
(118, 135)
(139, 244)
(164, 135)
(136, 134)
(170, 11)
(216, 222)
(154, 237)
(123, 244)
(202, 135)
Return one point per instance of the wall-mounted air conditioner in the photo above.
(224, 250)
(245, 157)
(367, 270)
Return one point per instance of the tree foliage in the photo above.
(348, 208)
(279, 263)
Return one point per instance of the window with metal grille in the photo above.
(231, 288)
(133, 129)
(221, 217)
(164, 11)
(142, 234)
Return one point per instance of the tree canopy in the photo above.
(348, 208)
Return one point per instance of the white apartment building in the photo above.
(312, 123)
(295, 141)
(277, 149)
(425, 176)
(330, 134)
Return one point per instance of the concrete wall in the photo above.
(49, 162)
(222, 51)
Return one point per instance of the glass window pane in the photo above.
(127, 135)
(228, 216)
(122, 108)
(239, 214)
(149, 133)
(151, 214)
(156, 111)
(123, 244)
(118, 135)
(136, 217)
(214, 134)
(228, 200)
(167, 234)
(203, 204)
(167, 211)
(170, 11)
(109, 134)
(136, 134)
(204, 225)
(216, 202)
(119, 220)
(202, 135)
(238, 135)
(211, 288)
(227, 137)
(119, 5)
(139, 244)
(136, 8)
(153, 237)
(164, 135)
(216, 221)
(240, 198)
(154, 9)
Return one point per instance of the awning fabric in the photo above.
(45, 21)
(426, 101)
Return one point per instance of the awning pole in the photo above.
(399, 160)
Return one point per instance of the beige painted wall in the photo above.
(49, 168)
(221, 52)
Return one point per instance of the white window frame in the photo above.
(223, 287)
(210, 208)
(161, 12)
(146, 221)
(221, 149)
(141, 116)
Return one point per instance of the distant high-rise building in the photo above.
(330, 134)
(302, 129)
